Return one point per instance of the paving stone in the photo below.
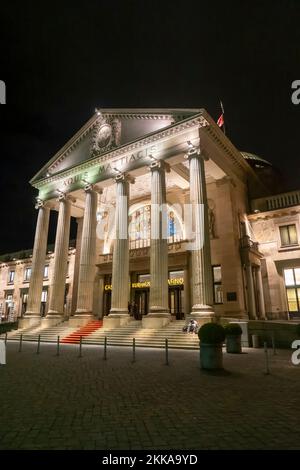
(64, 402)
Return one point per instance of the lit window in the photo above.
(144, 278)
(292, 283)
(140, 227)
(11, 277)
(288, 235)
(27, 274)
(44, 296)
(289, 277)
(176, 274)
(217, 284)
(46, 271)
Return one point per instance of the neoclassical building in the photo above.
(173, 222)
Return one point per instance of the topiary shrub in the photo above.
(233, 329)
(298, 329)
(211, 333)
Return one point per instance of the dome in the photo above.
(255, 160)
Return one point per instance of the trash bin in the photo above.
(2, 352)
(255, 341)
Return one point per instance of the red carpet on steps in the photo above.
(86, 330)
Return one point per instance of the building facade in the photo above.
(172, 222)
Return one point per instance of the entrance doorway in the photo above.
(176, 302)
(141, 299)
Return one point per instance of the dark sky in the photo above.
(61, 60)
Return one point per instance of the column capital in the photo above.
(195, 152)
(41, 203)
(92, 187)
(159, 165)
(124, 177)
(64, 197)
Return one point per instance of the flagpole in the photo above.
(222, 109)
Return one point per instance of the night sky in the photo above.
(61, 60)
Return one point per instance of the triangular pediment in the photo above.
(109, 129)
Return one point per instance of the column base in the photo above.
(80, 319)
(51, 320)
(115, 320)
(202, 314)
(30, 320)
(156, 320)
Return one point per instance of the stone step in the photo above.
(122, 336)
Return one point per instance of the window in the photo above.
(288, 235)
(140, 227)
(44, 296)
(217, 284)
(46, 271)
(144, 278)
(292, 283)
(27, 274)
(11, 277)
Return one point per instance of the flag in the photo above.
(220, 121)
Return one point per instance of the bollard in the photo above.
(38, 345)
(255, 341)
(5, 339)
(2, 352)
(80, 347)
(267, 372)
(105, 348)
(20, 344)
(167, 351)
(133, 349)
(273, 344)
(57, 347)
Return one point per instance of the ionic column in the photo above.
(87, 267)
(159, 303)
(38, 263)
(250, 292)
(58, 281)
(202, 284)
(261, 299)
(120, 265)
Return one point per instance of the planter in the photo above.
(234, 344)
(211, 356)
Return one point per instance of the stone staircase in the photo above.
(83, 332)
(150, 338)
(122, 336)
(48, 334)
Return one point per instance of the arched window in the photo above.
(139, 228)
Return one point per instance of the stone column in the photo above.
(120, 266)
(32, 314)
(260, 292)
(186, 287)
(58, 281)
(87, 267)
(159, 290)
(202, 283)
(76, 265)
(250, 292)
(101, 296)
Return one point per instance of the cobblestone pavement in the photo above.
(67, 402)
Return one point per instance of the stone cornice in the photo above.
(294, 210)
(174, 129)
